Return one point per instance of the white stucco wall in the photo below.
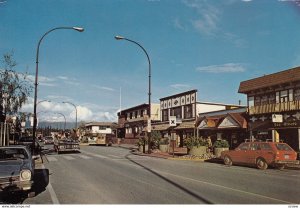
(206, 107)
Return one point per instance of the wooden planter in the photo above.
(217, 151)
(198, 151)
(164, 147)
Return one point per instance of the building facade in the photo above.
(274, 106)
(133, 122)
(179, 114)
(230, 125)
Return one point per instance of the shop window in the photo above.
(297, 94)
(257, 101)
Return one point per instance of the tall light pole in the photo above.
(79, 29)
(149, 92)
(65, 120)
(75, 111)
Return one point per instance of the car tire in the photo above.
(261, 164)
(227, 160)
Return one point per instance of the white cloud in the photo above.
(208, 17)
(178, 24)
(104, 88)
(225, 68)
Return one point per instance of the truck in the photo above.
(66, 145)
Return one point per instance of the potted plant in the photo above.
(164, 144)
(155, 139)
(219, 146)
(196, 145)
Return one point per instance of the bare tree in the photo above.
(14, 87)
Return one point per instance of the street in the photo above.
(113, 175)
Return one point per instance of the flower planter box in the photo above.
(217, 151)
(198, 151)
(141, 148)
(164, 147)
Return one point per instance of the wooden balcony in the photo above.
(275, 108)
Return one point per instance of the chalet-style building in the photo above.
(274, 106)
(179, 115)
(106, 129)
(230, 125)
(132, 122)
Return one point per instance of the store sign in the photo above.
(277, 118)
(172, 121)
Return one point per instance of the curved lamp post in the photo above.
(75, 111)
(79, 29)
(65, 120)
(149, 93)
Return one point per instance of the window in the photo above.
(102, 127)
(165, 116)
(254, 146)
(176, 112)
(285, 96)
(188, 111)
(243, 146)
(251, 101)
(265, 146)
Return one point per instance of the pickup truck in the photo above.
(66, 145)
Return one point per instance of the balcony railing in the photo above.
(275, 107)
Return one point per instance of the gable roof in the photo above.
(278, 78)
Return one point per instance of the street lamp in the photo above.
(75, 111)
(65, 120)
(149, 93)
(79, 29)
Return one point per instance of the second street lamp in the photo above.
(79, 29)
(149, 93)
(75, 112)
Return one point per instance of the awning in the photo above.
(186, 125)
(160, 127)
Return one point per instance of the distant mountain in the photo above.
(57, 125)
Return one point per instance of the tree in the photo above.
(14, 87)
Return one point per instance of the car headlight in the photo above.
(25, 175)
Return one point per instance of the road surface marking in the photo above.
(224, 187)
(67, 157)
(51, 159)
(84, 157)
(50, 188)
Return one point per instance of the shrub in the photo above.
(164, 141)
(195, 142)
(221, 144)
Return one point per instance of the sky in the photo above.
(210, 46)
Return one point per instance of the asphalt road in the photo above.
(113, 175)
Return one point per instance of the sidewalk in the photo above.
(179, 153)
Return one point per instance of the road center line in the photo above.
(50, 188)
(224, 187)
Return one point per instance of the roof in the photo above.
(100, 124)
(180, 94)
(278, 78)
(186, 125)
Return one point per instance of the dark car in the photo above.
(261, 154)
(16, 168)
(29, 141)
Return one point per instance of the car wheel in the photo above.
(227, 160)
(261, 164)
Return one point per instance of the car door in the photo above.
(241, 153)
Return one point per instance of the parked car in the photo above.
(48, 140)
(16, 168)
(261, 154)
(28, 141)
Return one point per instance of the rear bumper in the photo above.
(286, 162)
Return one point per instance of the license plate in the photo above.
(286, 156)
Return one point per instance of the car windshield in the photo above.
(284, 147)
(13, 154)
(26, 139)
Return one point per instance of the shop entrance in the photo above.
(289, 136)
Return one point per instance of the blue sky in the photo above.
(210, 46)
